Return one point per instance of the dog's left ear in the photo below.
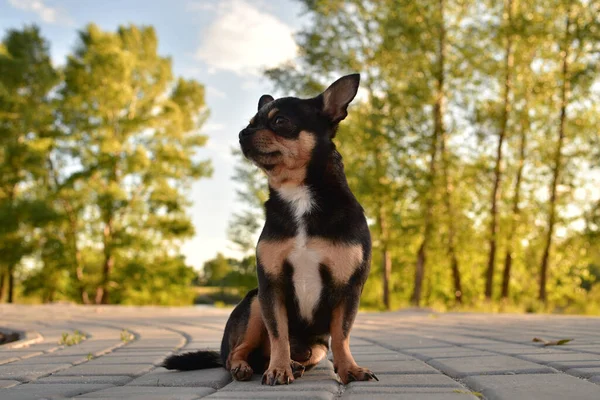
(337, 97)
(264, 99)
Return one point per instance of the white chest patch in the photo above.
(307, 278)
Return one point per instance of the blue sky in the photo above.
(222, 44)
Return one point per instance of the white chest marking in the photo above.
(307, 278)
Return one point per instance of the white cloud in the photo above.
(213, 91)
(243, 39)
(46, 13)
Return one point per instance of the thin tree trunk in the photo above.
(2, 274)
(71, 215)
(516, 210)
(11, 283)
(107, 266)
(451, 228)
(508, 65)
(557, 168)
(386, 260)
(437, 126)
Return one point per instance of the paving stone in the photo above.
(213, 377)
(93, 369)
(10, 356)
(447, 352)
(316, 395)
(565, 365)
(391, 356)
(309, 382)
(534, 387)
(584, 372)
(427, 394)
(8, 383)
(595, 379)
(148, 393)
(400, 367)
(50, 391)
(558, 357)
(407, 381)
(112, 379)
(28, 372)
(487, 365)
(52, 359)
(140, 358)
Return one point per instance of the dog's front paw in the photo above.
(353, 373)
(278, 375)
(241, 371)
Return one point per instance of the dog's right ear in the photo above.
(264, 100)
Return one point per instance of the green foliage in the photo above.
(96, 162)
(422, 138)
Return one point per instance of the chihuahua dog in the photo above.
(314, 252)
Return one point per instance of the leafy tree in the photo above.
(132, 132)
(26, 80)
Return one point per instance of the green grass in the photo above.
(68, 339)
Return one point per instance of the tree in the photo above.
(26, 79)
(132, 132)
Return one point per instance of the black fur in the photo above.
(194, 360)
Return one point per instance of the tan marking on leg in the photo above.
(272, 254)
(280, 370)
(343, 362)
(253, 338)
(272, 113)
(341, 259)
(252, 120)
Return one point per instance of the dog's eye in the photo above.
(279, 120)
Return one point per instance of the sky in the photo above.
(223, 44)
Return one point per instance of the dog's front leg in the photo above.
(274, 314)
(341, 322)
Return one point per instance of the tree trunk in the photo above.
(71, 214)
(386, 260)
(11, 283)
(508, 65)
(2, 274)
(454, 267)
(107, 266)
(557, 168)
(437, 126)
(516, 211)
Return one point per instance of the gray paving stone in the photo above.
(112, 379)
(400, 367)
(4, 384)
(565, 365)
(309, 382)
(392, 356)
(10, 356)
(407, 381)
(430, 394)
(487, 365)
(28, 372)
(93, 369)
(214, 377)
(50, 391)
(114, 358)
(534, 387)
(148, 393)
(447, 352)
(316, 395)
(52, 359)
(584, 372)
(558, 357)
(595, 379)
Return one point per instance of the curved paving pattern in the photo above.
(416, 355)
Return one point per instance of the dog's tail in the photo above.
(197, 360)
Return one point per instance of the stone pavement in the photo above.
(416, 355)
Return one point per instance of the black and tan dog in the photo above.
(313, 254)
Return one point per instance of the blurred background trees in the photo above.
(473, 146)
(96, 161)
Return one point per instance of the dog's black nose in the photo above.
(245, 132)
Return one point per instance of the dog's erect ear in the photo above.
(264, 99)
(337, 96)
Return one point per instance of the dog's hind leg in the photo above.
(249, 345)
